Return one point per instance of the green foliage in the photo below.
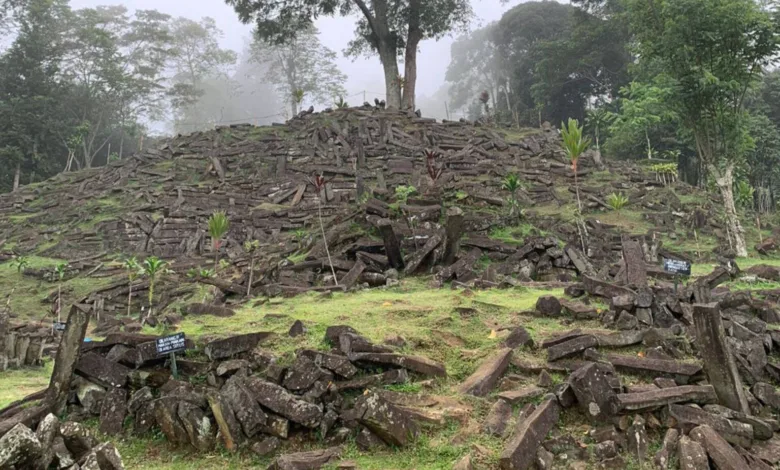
(617, 201)
(250, 246)
(341, 103)
(59, 270)
(21, 263)
(743, 194)
(402, 193)
(665, 168)
(132, 268)
(218, 227)
(573, 142)
(202, 273)
(461, 195)
(300, 235)
(511, 183)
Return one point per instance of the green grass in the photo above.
(17, 384)
(517, 234)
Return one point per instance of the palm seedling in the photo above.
(341, 103)
(319, 183)
(133, 271)
(617, 201)
(251, 247)
(153, 268)
(59, 270)
(744, 194)
(511, 183)
(575, 145)
(21, 263)
(218, 227)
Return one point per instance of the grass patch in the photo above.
(517, 234)
(17, 384)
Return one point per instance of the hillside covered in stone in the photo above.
(158, 202)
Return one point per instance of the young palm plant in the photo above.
(251, 247)
(575, 145)
(319, 183)
(218, 227)
(511, 183)
(617, 201)
(59, 270)
(21, 263)
(341, 104)
(153, 268)
(133, 271)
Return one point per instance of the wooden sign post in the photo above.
(677, 267)
(170, 345)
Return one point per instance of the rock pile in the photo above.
(249, 399)
(53, 444)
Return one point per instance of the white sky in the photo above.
(364, 74)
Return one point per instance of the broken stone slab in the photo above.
(722, 454)
(48, 430)
(19, 447)
(224, 415)
(102, 371)
(636, 437)
(245, 408)
(518, 337)
(303, 374)
(668, 445)
(548, 305)
(604, 289)
(620, 339)
(208, 309)
(484, 379)
(719, 365)
(224, 348)
(767, 394)
(653, 366)
(562, 338)
(571, 347)
(395, 376)
(634, 262)
(418, 364)
(464, 463)
(498, 418)
(768, 451)
(78, 438)
(282, 402)
(198, 426)
(594, 393)
(265, 447)
(453, 234)
(691, 455)
(311, 460)
(521, 395)
(735, 432)
(393, 425)
(762, 429)
(701, 394)
(392, 244)
(340, 365)
(166, 415)
(113, 411)
(232, 366)
(353, 275)
(415, 260)
(103, 457)
(520, 452)
(579, 310)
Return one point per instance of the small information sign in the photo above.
(170, 344)
(677, 266)
(60, 326)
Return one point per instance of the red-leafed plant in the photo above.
(434, 169)
(319, 182)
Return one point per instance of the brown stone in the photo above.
(520, 451)
(518, 396)
(224, 348)
(418, 364)
(390, 423)
(312, 460)
(594, 394)
(688, 417)
(484, 379)
(571, 347)
(102, 371)
(498, 418)
(722, 454)
(282, 402)
(691, 455)
(113, 411)
(628, 402)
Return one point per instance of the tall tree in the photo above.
(30, 113)
(475, 67)
(710, 53)
(387, 28)
(198, 62)
(301, 65)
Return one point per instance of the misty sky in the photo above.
(364, 74)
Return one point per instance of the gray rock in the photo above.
(266, 447)
(484, 379)
(390, 423)
(78, 439)
(313, 460)
(282, 402)
(19, 447)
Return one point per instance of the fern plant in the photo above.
(617, 201)
(218, 227)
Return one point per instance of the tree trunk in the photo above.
(725, 182)
(251, 272)
(392, 86)
(293, 108)
(122, 144)
(649, 147)
(17, 174)
(410, 60)
(129, 296)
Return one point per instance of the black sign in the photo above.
(60, 326)
(170, 344)
(677, 266)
